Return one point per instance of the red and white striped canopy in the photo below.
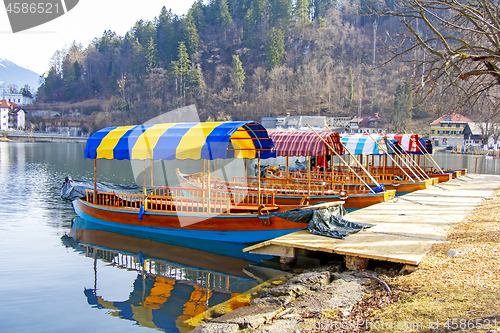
(305, 143)
(409, 142)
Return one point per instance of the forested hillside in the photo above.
(240, 60)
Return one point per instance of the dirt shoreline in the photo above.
(455, 287)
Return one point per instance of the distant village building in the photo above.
(341, 124)
(480, 134)
(298, 123)
(17, 98)
(371, 124)
(448, 130)
(12, 117)
(368, 124)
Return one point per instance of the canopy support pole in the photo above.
(95, 181)
(429, 156)
(287, 175)
(407, 159)
(208, 186)
(414, 163)
(258, 177)
(385, 151)
(355, 160)
(309, 175)
(144, 184)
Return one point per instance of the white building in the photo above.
(17, 98)
(12, 117)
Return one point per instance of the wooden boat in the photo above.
(390, 181)
(232, 217)
(289, 192)
(360, 148)
(396, 158)
(293, 193)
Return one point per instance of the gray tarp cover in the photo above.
(74, 189)
(325, 222)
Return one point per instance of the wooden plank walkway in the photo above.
(405, 228)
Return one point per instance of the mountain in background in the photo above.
(10, 73)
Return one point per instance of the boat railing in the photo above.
(220, 191)
(115, 199)
(162, 268)
(281, 187)
(168, 199)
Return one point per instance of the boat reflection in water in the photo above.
(174, 283)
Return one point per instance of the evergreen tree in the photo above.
(403, 105)
(138, 67)
(191, 37)
(221, 13)
(238, 74)
(143, 32)
(302, 12)
(197, 11)
(165, 37)
(72, 79)
(280, 12)
(248, 28)
(320, 7)
(53, 86)
(180, 71)
(151, 56)
(275, 48)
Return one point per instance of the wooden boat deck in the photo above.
(405, 227)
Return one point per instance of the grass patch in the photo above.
(451, 293)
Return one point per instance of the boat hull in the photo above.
(350, 203)
(234, 228)
(441, 177)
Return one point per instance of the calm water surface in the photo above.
(65, 274)
(56, 278)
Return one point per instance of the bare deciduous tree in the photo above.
(453, 44)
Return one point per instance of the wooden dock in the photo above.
(405, 228)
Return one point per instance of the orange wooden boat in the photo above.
(205, 214)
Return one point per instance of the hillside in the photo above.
(241, 60)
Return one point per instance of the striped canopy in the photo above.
(213, 140)
(407, 141)
(306, 143)
(362, 144)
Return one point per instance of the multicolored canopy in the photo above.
(213, 140)
(362, 144)
(407, 141)
(306, 143)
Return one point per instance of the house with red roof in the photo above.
(368, 124)
(11, 116)
(448, 130)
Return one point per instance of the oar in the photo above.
(385, 151)
(428, 156)
(404, 162)
(417, 167)
(340, 157)
(355, 159)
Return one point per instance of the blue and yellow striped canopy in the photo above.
(213, 140)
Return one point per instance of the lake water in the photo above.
(56, 278)
(60, 273)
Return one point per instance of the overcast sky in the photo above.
(33, 48)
